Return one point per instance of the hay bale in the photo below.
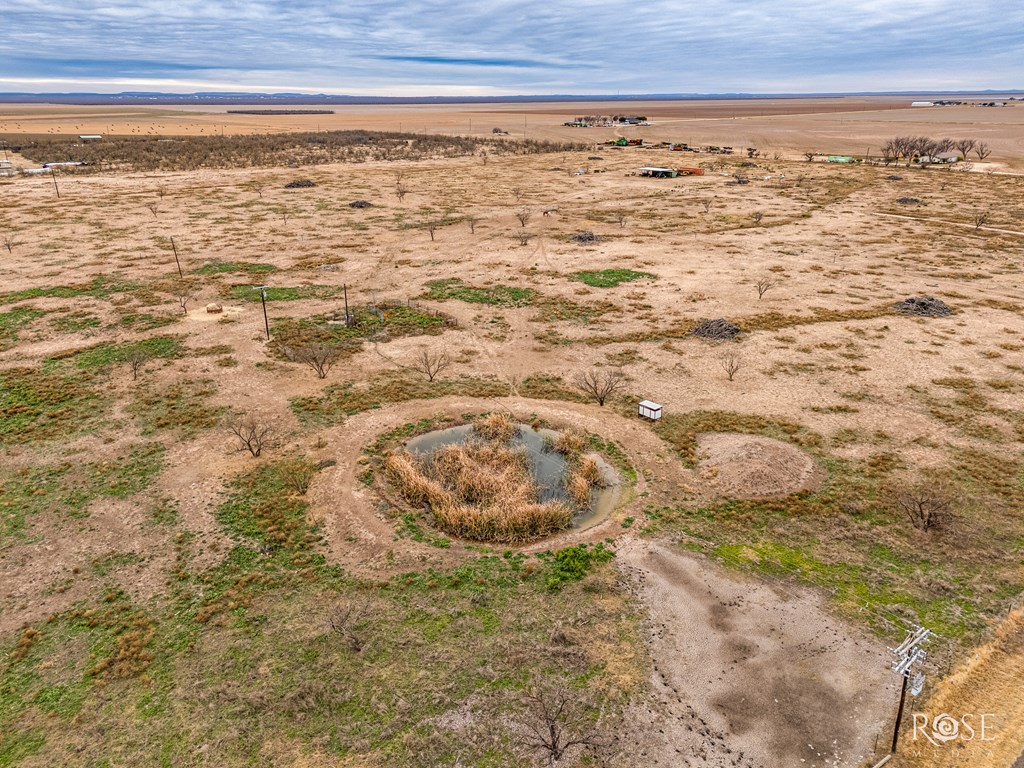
(924, 306)
(716, 330)
(300, 184)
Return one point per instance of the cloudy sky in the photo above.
(501, 47)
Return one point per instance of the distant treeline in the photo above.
(280, 111)
(314, 148)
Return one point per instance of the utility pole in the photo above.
(348, 319)
(53, 175)
(175, 249)
(263, 297)
(908, 653)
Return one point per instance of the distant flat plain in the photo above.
(791, 126)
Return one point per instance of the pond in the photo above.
(547, 467)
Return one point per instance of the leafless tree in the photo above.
(600, 385)
(253, 433)
(472, 221)
(431, 227)
(184, 296)
(517, 193)
(430, 362)
(707, 202)
(523, 237)
(927, 504)
(318, 355)
(620, 217)
(284, 218)
(554, 721)
(982, 150)
(9, 243)
(136, 358)
(346, 620)
(980, 220)
(153, 208)
(757, 216)
(524, 215)
(731, 362)
(257, 187)
(161, 191)
(764, 285)
(965, 146)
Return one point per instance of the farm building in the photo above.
(659, 173)
(922, 104)
(90, 137)
(840, 159)
(939, 158)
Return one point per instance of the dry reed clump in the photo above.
(478, 491)
(570, 443)
(583, 476)
(498, 427)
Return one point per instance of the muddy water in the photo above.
(548, 468)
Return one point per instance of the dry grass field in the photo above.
(203, 561)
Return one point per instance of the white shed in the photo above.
(649, 410)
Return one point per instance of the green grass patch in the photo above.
(75, 322)
(183, 405)
(610, 278)
(246, 293)
(499, 295)
(348, 398)
(12, 322)
(218, 267)
(99, 287)
(36, 404)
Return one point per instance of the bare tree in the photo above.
(731, 362)
(620, 217)
(472, 221)
(184, 296)
(982, 150)
(253, 433)
(980, 220)
(965, 146)
(153, 208)
(9, 242)
(707, 202)
(600, 385)
(764, 285)
(430, 362)
(257, 187)
(319, 356)
(927, 504)
(523, 237)
(554, 721)
(517, 193)
(161, 191)
(524, 215)
(346, 620)
(136, 358)
(401, 191)
(757, 216)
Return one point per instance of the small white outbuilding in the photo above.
(649, 410)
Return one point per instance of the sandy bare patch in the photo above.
(752, 467)
(748, 675)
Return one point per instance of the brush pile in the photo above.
(908, 201)
(716, 330)
(925, 306)
(360, 204)
(586, 237)
(300, 184)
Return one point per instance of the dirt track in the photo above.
(759, 677)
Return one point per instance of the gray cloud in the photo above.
(580, 46)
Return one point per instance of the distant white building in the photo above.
(922, 104)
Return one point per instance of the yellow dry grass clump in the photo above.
(498, 427)
(478, 491)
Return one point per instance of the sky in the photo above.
(500, 47)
